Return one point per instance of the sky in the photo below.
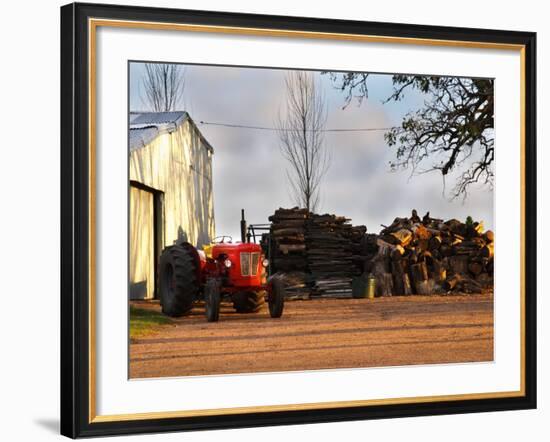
(249, 171)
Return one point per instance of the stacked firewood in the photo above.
(288, 239)
(356, 235)
(288, 249)
(317, 254)
(332, 246)
(369, 249)
(428, 256)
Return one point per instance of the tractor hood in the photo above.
(234, 248)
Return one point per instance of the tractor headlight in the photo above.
(265, 262)
(227, 263)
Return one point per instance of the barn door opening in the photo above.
(146, 239)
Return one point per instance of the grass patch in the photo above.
(144, 321)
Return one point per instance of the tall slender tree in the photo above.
(163, 86)
(300, 127)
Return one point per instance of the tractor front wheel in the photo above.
(212, 300)
(277, 298)
(248, 302)
(178, 285)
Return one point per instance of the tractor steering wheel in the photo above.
(222, 239)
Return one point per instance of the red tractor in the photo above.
(238, 271)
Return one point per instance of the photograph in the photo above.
(287, 220)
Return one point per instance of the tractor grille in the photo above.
(254, 263)
(249, 263)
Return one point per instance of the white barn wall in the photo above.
(179, 164)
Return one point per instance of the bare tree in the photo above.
(163, 86)
(300, 128)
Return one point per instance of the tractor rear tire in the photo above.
(248, 302)
(178, 284)
(277, 298)
(212, 300)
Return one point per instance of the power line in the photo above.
(243, 126)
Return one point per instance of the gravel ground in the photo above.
(320, 334)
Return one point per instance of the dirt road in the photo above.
(317, 334)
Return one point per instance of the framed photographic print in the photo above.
(279, 220)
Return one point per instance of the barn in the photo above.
(170, 194)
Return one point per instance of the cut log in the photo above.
(401, 281)
(479, 227)
(285, 248)
(439, 271)
(458, 265)
(413, 257)
(407, 289)
(419, 273)
(434, 243)
(404, 236)
(288, 231)
(446, 250)
(381, 264)
(488, 251)
(462, 284)
(426, 257)
(485, 280)
(384, 284)
(455, 239)
(422, 245)
(420, 232)
(476, 267)
(469, 285)
(397, 253)
(451, 282)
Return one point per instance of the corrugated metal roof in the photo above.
(146, 126)
(154, 118)
(140, 137)
(133, 116)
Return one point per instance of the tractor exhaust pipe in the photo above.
(243, 227)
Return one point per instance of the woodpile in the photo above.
(428, 256)
(288, 250)
(288, 239)
(319, 255)
(332, 247)
(324, 249)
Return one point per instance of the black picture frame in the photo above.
(75, 221)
